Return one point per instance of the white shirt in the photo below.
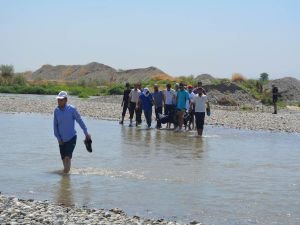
(169, 96)
(200, 102)
(134, 95)
(188, 101)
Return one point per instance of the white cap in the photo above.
(62, 95)
(146, 91)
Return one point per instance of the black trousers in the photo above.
(138, 112)
(125, 107)
(200, 116)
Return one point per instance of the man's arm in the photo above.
(55, 128)
(192, 104)
(123, 99)
(79, 120)
(207, 105)
(130, 96)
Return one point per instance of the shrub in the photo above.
(82, 83)
(246, 108)
(7, 70)
(237, 77)
(266, 99)
(83, 95)
(116, 90)
(20, 80)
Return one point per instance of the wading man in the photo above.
(125, 102)
(64, 128)
(201, 105)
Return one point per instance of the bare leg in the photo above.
(67, 164)
(193, 123)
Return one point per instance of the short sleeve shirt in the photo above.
(199, 102)
(135, 94)
(182, 97)
(169, 95)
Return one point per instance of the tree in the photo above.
(264, 77)
(7, 70)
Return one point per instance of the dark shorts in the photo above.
(200, 119)
(67, 148)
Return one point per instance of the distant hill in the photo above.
(289, 89)
(206, 79)
(97, 72)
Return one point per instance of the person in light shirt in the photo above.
(134, 96)
(191, 110)
(201, 105)
(169, 100)
(64, 128)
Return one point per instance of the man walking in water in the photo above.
(182, 97)
(125, 102)
(134, 96)
(146, 101)
(158, 98)
(64, 128)
(201, 104)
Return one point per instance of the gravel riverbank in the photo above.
(15, 211)
(109, 107)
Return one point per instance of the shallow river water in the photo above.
(229, 176)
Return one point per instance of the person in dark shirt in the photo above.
(158, 98)
(275, 97)
(125, 101)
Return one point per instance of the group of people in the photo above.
(174, 103)
(183, 105)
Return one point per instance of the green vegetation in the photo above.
(48, 89)
(246, 108)
(6, 71)
(220, 81)
(264, 77)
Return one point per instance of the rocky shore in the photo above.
(15, 211)
(109, 108)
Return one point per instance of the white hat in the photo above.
(62, 95)
(146, 91)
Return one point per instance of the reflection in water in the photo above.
(64, 192)
(163, 140)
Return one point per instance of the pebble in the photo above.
(41, 212)
(108, 107)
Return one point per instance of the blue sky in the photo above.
(181, 37)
